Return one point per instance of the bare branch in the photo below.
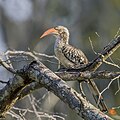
(39, 73)
(44, 55)
(3, 82)
(32, 102)
(118, 81)
(10, 93)
(110, 84)
(117, 33)
(29, 89)
(71, 76)
(113, 64)
(28, 78)
(93, 65)
(23, 112)
(21, 53)
(92, 47)
(5, 65)
(107, 52)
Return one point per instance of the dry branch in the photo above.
(29, 89)
(10, 93)
(70, 76)
(5, 65)
(28, 78)
(107, 52)
(36, 71)
(73, 76)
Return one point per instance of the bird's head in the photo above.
(59, 31)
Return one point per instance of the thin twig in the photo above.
(110, 84)
(92, 46)
(45, 55)
(118, 87)
(9, 68)
(113, 64)
(117, 33)
(31, 99)
(3, 82)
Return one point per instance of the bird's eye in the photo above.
(55, 28)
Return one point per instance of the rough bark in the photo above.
(9, 94)
(28, 78)
(107, 52)
(38, 72)
(72, 76)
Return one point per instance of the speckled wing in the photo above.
(74, 55)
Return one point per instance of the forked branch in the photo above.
(36, 75)
(107, 52)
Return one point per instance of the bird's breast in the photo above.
(64, 61)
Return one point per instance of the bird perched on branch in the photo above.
(70, 57)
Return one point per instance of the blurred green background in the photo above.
(23, 21)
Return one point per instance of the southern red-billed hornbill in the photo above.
(70, 57)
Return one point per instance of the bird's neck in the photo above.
(61, 41)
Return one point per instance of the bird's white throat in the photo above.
(61, 41)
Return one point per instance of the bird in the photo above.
(70, 57)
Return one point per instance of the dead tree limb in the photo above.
(36, 71)
(73, 76)
(107, 52)
(9, 94)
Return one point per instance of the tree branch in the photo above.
(36, 71)
(107, 52)
(71, 76)
(9, 94)
(29, 89)
(29, 77)
(5, 65)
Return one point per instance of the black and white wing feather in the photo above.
(74, 55)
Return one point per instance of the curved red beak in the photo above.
(48, 32)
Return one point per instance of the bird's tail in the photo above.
(97, 96)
